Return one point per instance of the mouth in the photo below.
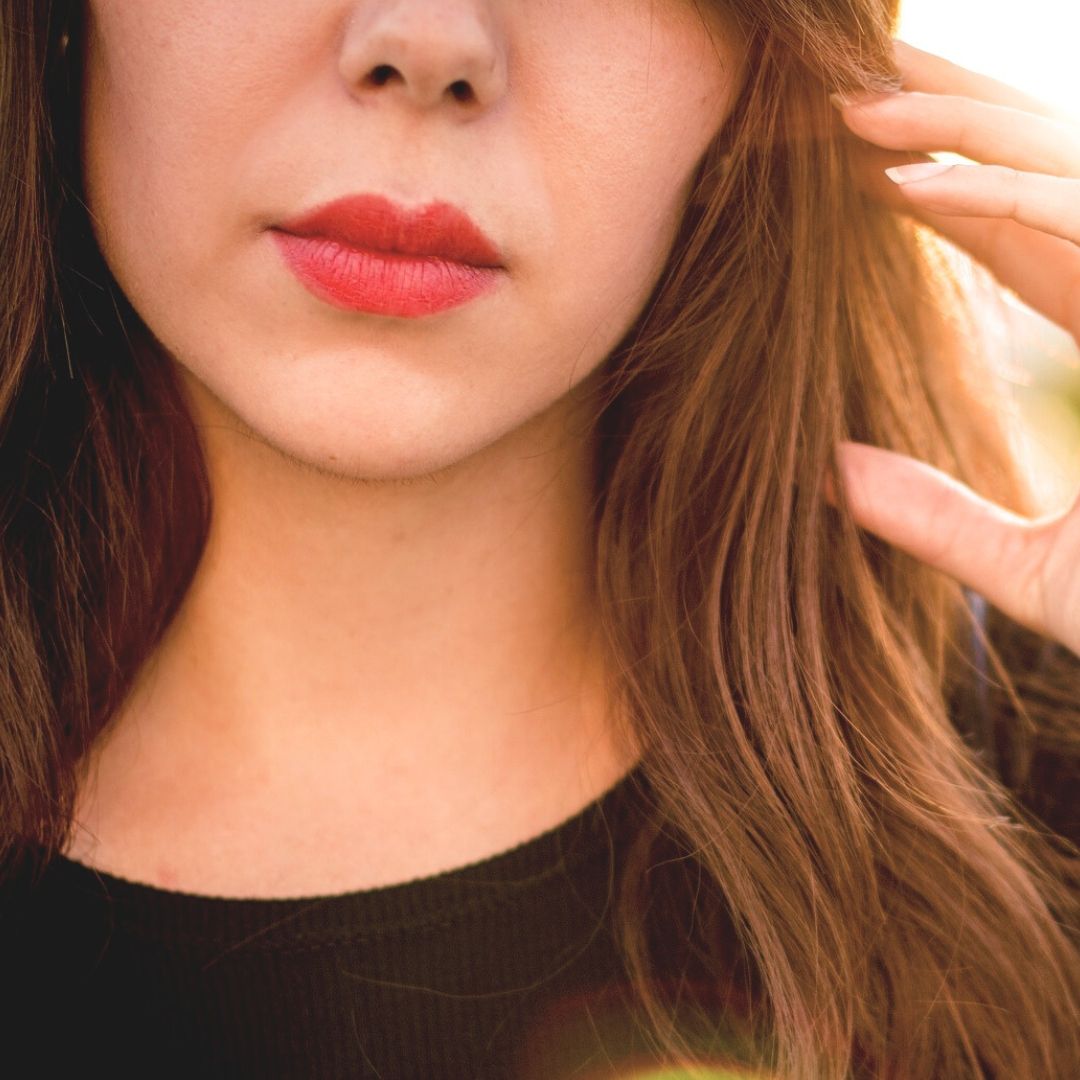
(375, 223)
(366, 253)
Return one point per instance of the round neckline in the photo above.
(513, 875)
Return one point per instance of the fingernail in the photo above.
(923, 170)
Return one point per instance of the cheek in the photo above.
(619, 176)
(165, 108)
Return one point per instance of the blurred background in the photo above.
(1032, 46)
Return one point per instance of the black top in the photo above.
(504, 968)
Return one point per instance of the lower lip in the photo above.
(381, 283)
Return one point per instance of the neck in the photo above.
(411, 652)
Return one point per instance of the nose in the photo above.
(426, 52)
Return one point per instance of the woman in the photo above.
(438, 642)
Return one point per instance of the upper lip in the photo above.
(376, 223)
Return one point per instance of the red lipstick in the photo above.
(366, 253)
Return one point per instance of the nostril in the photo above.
(381, 74)
(461, 90)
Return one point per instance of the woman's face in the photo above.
(567, 130)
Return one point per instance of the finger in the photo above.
(943, 523)
(1043, 270)
(1050, 204)
(992, 134)
(934, 74)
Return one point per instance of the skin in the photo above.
(386, 666)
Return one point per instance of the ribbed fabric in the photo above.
(503, 968)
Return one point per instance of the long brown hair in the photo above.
(886, 903)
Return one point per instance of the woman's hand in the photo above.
(1018, 212)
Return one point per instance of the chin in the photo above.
(376, 464)
(364, 450)
(383, 448)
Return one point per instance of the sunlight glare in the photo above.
(1031, 46)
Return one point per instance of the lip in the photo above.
(367, 253)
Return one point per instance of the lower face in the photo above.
(567, 132)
